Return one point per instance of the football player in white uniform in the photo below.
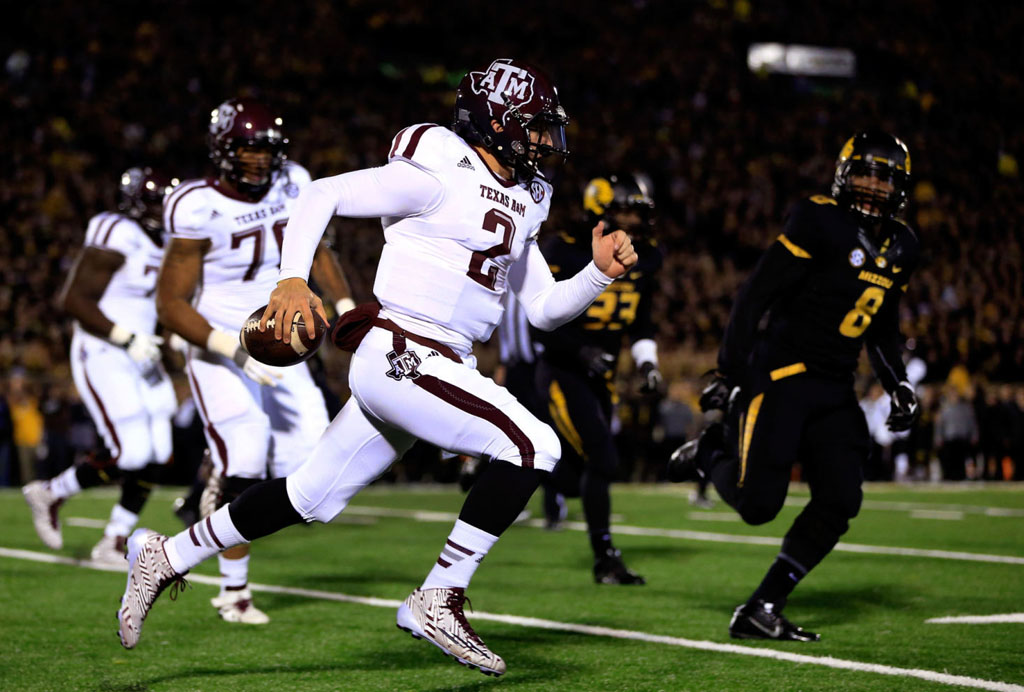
(226, 235)
(115, 362)
(461, 211)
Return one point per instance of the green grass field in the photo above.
(58, 626)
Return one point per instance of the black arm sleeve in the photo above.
(884, 343)
(777, 271)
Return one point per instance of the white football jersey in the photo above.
(448, 265)
(129, 297)
(241, 266)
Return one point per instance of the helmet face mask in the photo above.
(141, 195)
(512, 110)
(872, 175)
(241, 131)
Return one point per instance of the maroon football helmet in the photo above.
(246, 123)
(522, 100)
(141, 197)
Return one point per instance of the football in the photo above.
(266, 349)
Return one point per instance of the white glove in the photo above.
(228, 346)
(343, 306)
(143, 348)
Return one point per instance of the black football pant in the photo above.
(776, 423)
(580, 411)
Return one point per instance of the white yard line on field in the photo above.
(538, 623)
(621, 529)
(979, 619)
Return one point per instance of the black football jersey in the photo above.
(624, 308)
(825, 287)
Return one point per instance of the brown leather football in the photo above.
(266, 349)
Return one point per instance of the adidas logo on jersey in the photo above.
(464, 163)
(214, 215)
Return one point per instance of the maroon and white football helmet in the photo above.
(522, 100)
(247, 123)
(140, 196)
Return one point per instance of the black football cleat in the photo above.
(691, 461)
(610, 569)
(758, 620)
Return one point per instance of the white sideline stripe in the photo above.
(979, 619)
(85, 522)
(826, 661)
(947, 514)
(419, 515)
(713, 516)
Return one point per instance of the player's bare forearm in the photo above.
(89, 277)
(329, 276)
(179, 276)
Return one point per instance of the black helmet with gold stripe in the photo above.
(616, 198)
(873, 175)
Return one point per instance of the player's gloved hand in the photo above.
(142, 348)
(650, 378)
(905, 409)
(596, 360)
(228, 346)
(717, 394)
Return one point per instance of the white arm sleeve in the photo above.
(549, 303)
(397, 189)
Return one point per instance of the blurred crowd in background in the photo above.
(653, 85)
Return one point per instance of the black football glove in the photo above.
(596, 361)
(717, 393)
(904, 409)
(650, 378)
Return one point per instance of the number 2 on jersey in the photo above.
(493, 220)
(858, 319)
(257, 233)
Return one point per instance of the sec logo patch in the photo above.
(536, 191)
(857, 257)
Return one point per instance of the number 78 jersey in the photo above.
(241, 265)
(448, 265)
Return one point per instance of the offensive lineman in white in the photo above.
(115, 362)
(226, 236)
(461, 212)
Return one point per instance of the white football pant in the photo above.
(132, 411)
(249, 426)
(402, 391)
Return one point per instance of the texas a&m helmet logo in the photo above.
(504, 84)
(223, 119)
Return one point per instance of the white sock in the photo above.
(204, 539)
(462, 553)
(234, 574)
(121, 523)
(65, 484)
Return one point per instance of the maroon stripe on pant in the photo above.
(474, 405)
(192, 535)
(443, 562)
(414, 140)
(103, 412)
(222, 449)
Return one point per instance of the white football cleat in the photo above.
(44, 505)
(149, 573)
(236, 606)
(436, 615)
(110, 551)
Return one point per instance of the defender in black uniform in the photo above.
(830, 283)
(579, 360)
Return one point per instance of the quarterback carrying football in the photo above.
(461, 209)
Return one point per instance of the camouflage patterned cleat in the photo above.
(149, 573)
(436, 615)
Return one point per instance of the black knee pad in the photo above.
(233, 487)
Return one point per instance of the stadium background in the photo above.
(89, 89)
